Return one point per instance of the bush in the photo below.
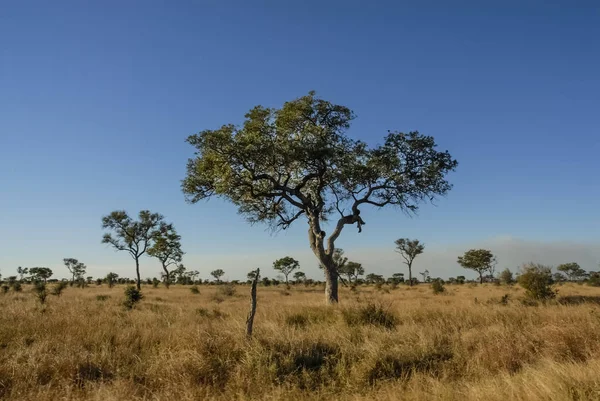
(5, 288)
(537, 281)
(132, 297)
(41, 294)
(17, 287)
(194, 289)
(227, 290)
(155, 282)
(59, 287)
(102, 297)
(437, 286)
(506, 277)
(370, 314)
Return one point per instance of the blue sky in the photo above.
(97, 98)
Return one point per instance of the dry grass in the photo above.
(465, 344)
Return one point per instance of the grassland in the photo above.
(466, 344)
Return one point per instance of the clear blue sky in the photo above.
(97, 98)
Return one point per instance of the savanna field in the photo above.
(473, 342)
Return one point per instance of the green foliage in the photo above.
(39, 289)
(299, 276)
(5, 288)
(352, 270)
(40, 273)
(132, 297)
(76, 268)
(167, 248)
(111, 279)
(194, 289)
(480, 260)
(594, 279)
(217, 274)
(409, 250)
(437, 286)
(373, 278)
(59, 287)
(370, 314)
(537, 281)
(506, 277)
(286, 265)
(132, 236)
(572, 270)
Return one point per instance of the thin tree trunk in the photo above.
(410, 282)
(480, 278)
(137, 272)
(167, 277)
(250, 319)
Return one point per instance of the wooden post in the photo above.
(250, 319)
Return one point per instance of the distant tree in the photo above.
(352, 270)
(572, 270)
(480, 260)
(217, 274)
(76, 268)
(297, 162)
(506, 277)
(460, 279)
(133, 236)
(251, 275)
(167, 249)
(286, 265)
(111, 279)
(397, 278)
(22, 272)
(194, 275)
(409, 250)
(594, 279)
(180, 274)
(299, 277)
(373, 278)
(426, 277)
(40, 273)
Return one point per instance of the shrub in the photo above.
(5, 288)
(102, 297)
(155, 282)
(132, 297)
(437, 286)
(41, 294)
(17, 287)
(537, 281)
(506, 277)
(194, 289)
(370, 314)
(59, 287)
(227, 290)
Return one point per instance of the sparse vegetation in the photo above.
(132, 297)
(437, 286)
(537, 281)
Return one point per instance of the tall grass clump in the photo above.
(370, 315)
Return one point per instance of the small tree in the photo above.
(299, 277)
(537, 281)
(111, 279)
(426, 277)
(133, 236)
(373, 278)
(397, 278)
(409, 250)
(22, 271)
(437, 286)
(572, 270)
(352, 270)
(217, 274)
(76, 268)
(58, 288)
(480, 260)
(40, 273)
(251, 275)
(297, 162)
(286, 265)
(132, 296)
(167, 249)
(39, 289)
(506, 277)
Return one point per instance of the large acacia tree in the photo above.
(297, 162)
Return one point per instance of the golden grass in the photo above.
(462, 345)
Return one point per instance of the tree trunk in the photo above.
(250, 319)
(480, 278)
(331, 284)
(410, 282)
(137, 272)
(167, 276)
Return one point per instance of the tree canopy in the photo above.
(297, 162)
(166, 248)
(480, 260)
